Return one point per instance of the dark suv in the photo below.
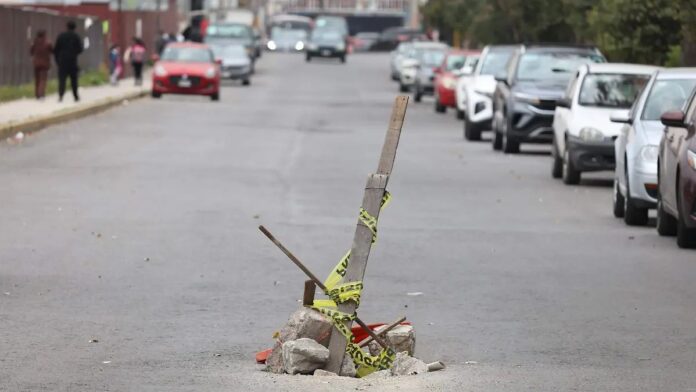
(527, 91)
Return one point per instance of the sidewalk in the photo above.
(30, 115)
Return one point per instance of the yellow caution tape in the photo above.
(350, 291)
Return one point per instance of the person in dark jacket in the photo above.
(40, 52)
(68, 46)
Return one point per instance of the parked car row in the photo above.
(637, 121)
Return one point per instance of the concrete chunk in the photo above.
(405, 365)
(307, 323)
(378, 375)
(274, 362)
(324, 373)
(400, 338)
(348, 367)
(304, 356)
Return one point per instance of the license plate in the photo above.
(184, 83)
(326, 52)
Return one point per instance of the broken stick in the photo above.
(316, 280)
(383, 331)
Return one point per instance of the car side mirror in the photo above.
(673, 119)
(218, 61)
(437, 70)
(621, 117)
(466, 70)
(501, 77)
(155, 58)
(564, 103)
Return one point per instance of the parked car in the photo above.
(420, 53)
(583, 133)
(637, 147)
(428, 61)
(456, 63)
(186, 68)
(526, 92)
(232, 34)
(287, 40)
(328, 43)
(474, 93)
(396, 57)
(393, 36)
(234, 63)
(676, 203)
(362, 42)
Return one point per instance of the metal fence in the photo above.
(18, 26)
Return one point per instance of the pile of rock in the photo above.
(301, 348)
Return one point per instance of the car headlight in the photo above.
(210, 73)
(271, 45)
(691, 158)
(527, 98)
(160, 71)
(449, 83)
(341, 47)
(299, 45)
(590, 134)
(649, 153)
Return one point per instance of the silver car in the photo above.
(234, 63)
(396, 57)
(636, 147)
(417, 59)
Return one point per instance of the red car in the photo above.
(186, 68)
(676, 173)
(446, 77)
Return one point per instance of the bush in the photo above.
(90, 78)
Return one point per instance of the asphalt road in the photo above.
(136, 229)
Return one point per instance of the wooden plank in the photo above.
(362, 240)
(309, 291)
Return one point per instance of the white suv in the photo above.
(474, 94)
(583, 134)
(637, 147)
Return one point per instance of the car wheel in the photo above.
(460, 114)
(510, 146)
(618, 200)
(497, 138)
(686, 237)
(403, 88)
(246, 82)
(439, 108)
(215, 97)
(343, 59)
(308, 58)
(556, 160)
(472, 131)
(633, 215)
(156, 94)
(418, 95)
(571, 176)
(666, 223)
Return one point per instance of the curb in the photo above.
(35, 124)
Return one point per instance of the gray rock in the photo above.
(304, 356)
(324, 373)
(348, 367)
(405, 365)
(307, 323)
(400, 338)
(274, 362)
(378, 375)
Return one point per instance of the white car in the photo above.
(637, 147)
(414, 60)
(475, 92)
(583, 134)
(396, 57)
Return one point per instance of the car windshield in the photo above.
(455, 62)
(280, 34)
(230, 51)
(431, 57)
(553, 66)
(327, 35)
(666, 96)
(611, 90)
(187, 54)
(229, 31)
(495, 62)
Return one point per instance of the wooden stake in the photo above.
(309, 290)
(316, 281)
(362, 241)
(383, 331)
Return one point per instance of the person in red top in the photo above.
(40, 52)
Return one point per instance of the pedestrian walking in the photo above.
(68, 46)
(115, 64)
(41, 51)
(136, 55)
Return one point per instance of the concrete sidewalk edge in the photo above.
(35, 124)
